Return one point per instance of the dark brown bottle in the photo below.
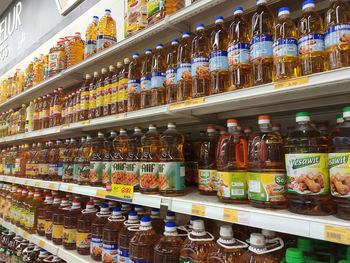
(84, 224)
(107, 93)
(40, 229)
(58, 221)
(70, 226)
(84, 98)
(115, 88)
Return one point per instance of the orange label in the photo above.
(101, 193)
(186, 103)
(57, 109)
(70, 188)
(25, 234)
(291, 83)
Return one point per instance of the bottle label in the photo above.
(339, 173)
(17, 165)
(75, 171)
(337, 34)
(36, 116)
(43, 168)
(218, 60)
(105, 41)
(307, 174)
(60, 170)
(134, 86)
(107, 94)
(261, 46)
(171, 176)
(46, 113)
(53, 169)
(145, 83)
(183, 71)
(99, 96)
(96, 246)
(57, 231)
(107, 171)
(22, 219)
(136, 261)
(182, 260)
(70, 235)
(269, 187)
(233, 184)
(84, 173)
(90, 47)
(96, 171)
(48, 227)
(56, 61)
(57, 109)
(118, 172)
(83, 240)
(285, 47)
(171, 77)
(67, 171)
(200, 66)
(311, 43)
(123, 256)
(149, 175)
(207, 180)
(114, 92)
(157, 79)
(84, 99)
(123, 87)
(154, 6)
(110, 253)
(41, 224)
(35, 169)
(92, 99)
(132, 173)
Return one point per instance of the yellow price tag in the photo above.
(85, 122)
(25, 234)
(65, 126)
(26, 182)
(70, 188)
(186, 103)
(121, 115)
(52, 186)
(37, 184)
(101, 193)
(337, 234)
(16, 230)
(121, 192)
(291, 83)
(42, 243)
(198, 210)
(24, 135)
(230, 215)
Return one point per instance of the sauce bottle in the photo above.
(146, 74)
(76, 159)
(123, 87)
(58, 221)
(158, 77)
(48, 217)
(84, 229)
(218, 60)
(171, 163)
(149, 170)
(261, 55)
(266, 173)
(97, 225)
(134, 83)
(184, 76)
(132, 165)
(27, 204)
(115, 88)
(42, 255)
(311, 40)
(96, 161)
(70, 226)
(40, 229)
(119, 158)
(170, 84)
(200, 63)
(157, 221)
(76, 107)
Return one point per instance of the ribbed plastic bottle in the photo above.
(119, 158)
(184, 77)
(170, 83)
(106, 32)
(134, 83)
(74, 50)
(123, 87)
(146, 74)
(158, 77)
(90, 38)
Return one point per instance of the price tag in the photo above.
(121, 192)
(85, 122)
(101, 193)
(37, 184)
(52, 186)
(24, 135)
(186, 103)
(41, 132)
(13, 180)
(26, 182)
(198, 210)
(25, 234)
(337, 234)
(70, 188)
(291, 83)
(65, 126)
(16, 230)
(121, 115)
(42, 243)
(230, 215)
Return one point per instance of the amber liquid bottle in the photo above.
(46, 112)
(48, 217)
(70, 226)
(58, 221)
(170, 74)
(115, 88)
(36, 113)
(33, 213)
(107, 91)
(146, 73)
(119, 158)
(84, 98)
(157, 221)
(96, 161)
(92, 96)
(158, 77)
(99, 93)
(123, 87)
(132, 165)
(184, 77)
(40, 229)
(84, 229)
(41, 112)
(134, 83)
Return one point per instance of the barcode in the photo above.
(195, 211)
(334, 235)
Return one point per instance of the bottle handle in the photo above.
(261, 150)
(244, 144)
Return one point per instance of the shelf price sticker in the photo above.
(198, 210)
(186, 103)
(85, 122)
(13, 180)
(291, 83)
(26, 182)
(16, 230)
(101, 193)
(120, 192)
(65, 126)
(37, 184)
(52, 186)
(42, 243)
(25, 234)
(230, 215)
(120, 116)
(337, 234)
(70, 188)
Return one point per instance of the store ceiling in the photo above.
(4, 4)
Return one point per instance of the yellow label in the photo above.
(37, 184)
(122, 192)
(70, 235)
(291, 83)
(186, 103)
(230, 215)
(57, 231)
(42, 243)
(25, 234)
(58, 129)
(83, 240)
(48, 226)
(16, 230)
(101, 193)
(198, 210)
(41, 224)
(85, 122)
(337, 234)
(70, 188)
(65, 126)
(52, 186)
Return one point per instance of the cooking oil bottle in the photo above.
(107, 162)
(106, 32)
(74, 50)
(218, 61)
(134, 81)
(107, 96)
(90, 38)
(261, 55)
(70, 226)
(123, 87)
(119, 158)
(96, 161)
(311, 40)
(337, 31)
(146, 74)
(58, 221)
(170, 74)
(40, 227)
(200, 63)
(84, 229)
(307, 169)
(92, 95)
(132, 165)
(158, 77)
(33, 213)
(115, 88)
(168, 247)
(149, 169)
(157, 221)
(38, 70)
(84, 98)
(100, 93)
(68, 162)
(171, 163)
(285, 47)
(183, 74)
(266, 173)
(56, 59)
(231, 161)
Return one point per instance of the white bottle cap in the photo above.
(211, 129)
(171, 125)
(232, 123)
(257, 240)
(198, 225)
(268, 233)
(122, 131)
(226, 231)
(264, 119)
(238, 10)
(302, 117)
(137, 129)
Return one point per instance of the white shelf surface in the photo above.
(208, 206)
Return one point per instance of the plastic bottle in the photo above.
(58, 221)
(171, 163)
(76, 107)
(48, 218)
(158, 77)
(56, 59)
(261, 55)
(106, 32)
(157, 221)
(323, 128)
(38, 70)
(68, 161)
(96, 161)
(44, 162)
(92, 96)
(119, 158)
(218, 60)
(266, 173)
(115, 88)
(285, 47)
(307, 169)
(231, 161)
(207, 176)
(84, 224)
(200, 63)
(84, 98)
(149, 169)
(33, 213)
(22, 208)
(65, 110)
(123, 87)
(107, 92)
(41, 211)
(74, 50)
(184, 76)
(99, 93)
(70, 226)
(170, 84)
(110, 239)
(311, 40)
(85, 153)
(134, 84)
(339, 165)
(197, 244)
(146, 74)
(143, 242)
(19, 206)
(90, 38)
(36, 113)
(69, 114)
(97, 225)
(23, 117)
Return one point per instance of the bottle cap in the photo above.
(264, 119)
(198, 225)
(122, 131)
(185, 34)
(226, 231)
(170, 226)
(170, 215)
(126, 60)
(135, 55)
(148, 51)
(155, 211)
(294, 255)
(283, 11)
(174, 41)
(302, 116)
(340, 118)
(257, 240)
(137, 129)
(152, 127)
(211, 129)
(116, 212)
(248, 128)
(100, 134)
(231, 123)
(159, 46)
(199, 27)
(107, 10)
(346, 112)
(308, 4)
(223, 131)
(171, 125)
(219, 19)
(261, 1)
(132, 215)
(268, 233)
(145, 221)
(276, 127)
(305, 244)
(90, 206)
(95, 17)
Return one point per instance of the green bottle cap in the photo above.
(294, 255)
(300, 114)
(305, 244)
(344, 261)
(339, 115)
(346, 109)
(347, 255)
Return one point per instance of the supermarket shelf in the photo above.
(209, 206)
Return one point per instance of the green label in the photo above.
(339, 173)
(208, 180)
(67, 171)
(96, 171)
(132, 173)
(233, 184)
(307, 173)
(75, 171)
(268, 187)
(182, 260)
(171, 176)
(107, 171)
(84, 173)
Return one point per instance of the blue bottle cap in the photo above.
(174, 41)
(283, 9)
(95, 17)
(117, 209)
(239, 9)
(107, 10)
(194, 218)
(138, 206)
(159, 45)
(132, 213)
(199, 26)
(185, 34)
(104, 206)
(170, 224)
(170, 213)
(308, 2)
(148, 51)
(135, 54)
(42, 250)
(146, 219)
(219, 19)
(155, 209)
